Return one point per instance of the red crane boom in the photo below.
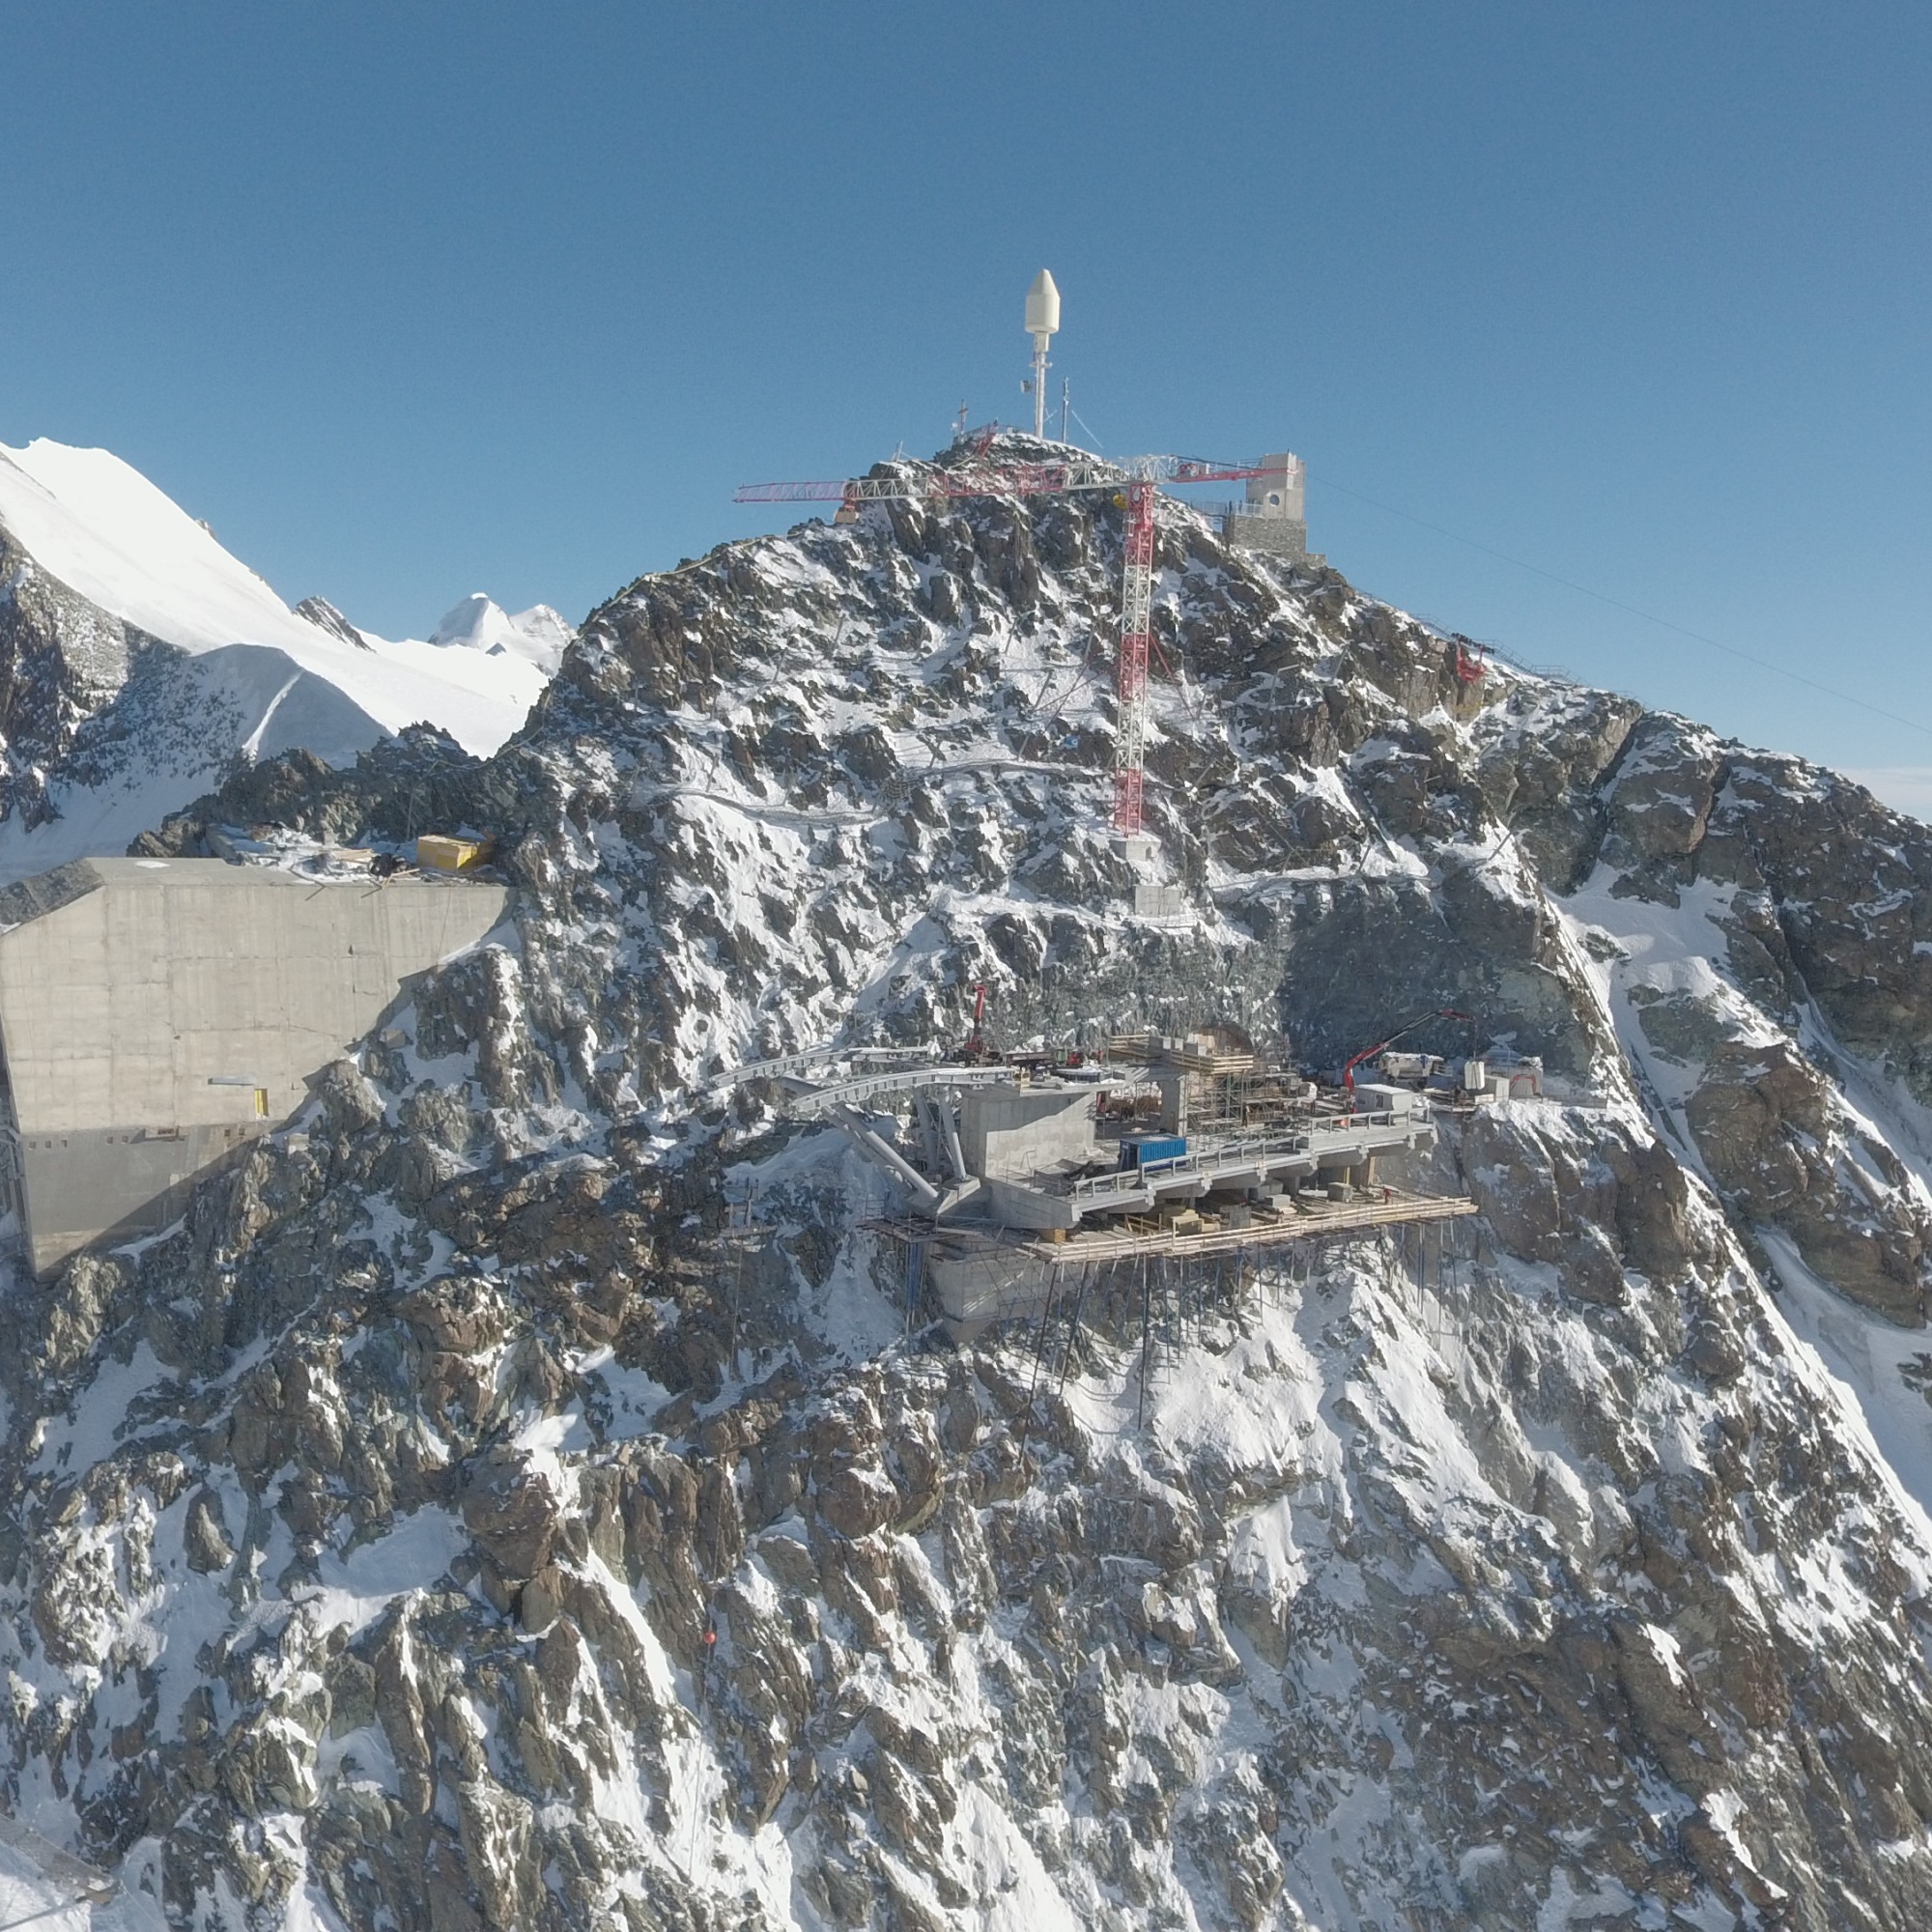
(1003, 479)
(1402, 1033)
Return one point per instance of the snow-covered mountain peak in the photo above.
(101, 530)
(139, 659)
(320, 612)
(538, 635)
(107, 533)
(514, 1497)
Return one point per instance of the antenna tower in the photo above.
(1042, 320)
(1133, 483)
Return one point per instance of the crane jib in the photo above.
(1017, 479)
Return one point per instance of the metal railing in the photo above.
(1241, 506)
(1239, 1154)
(905, 1080)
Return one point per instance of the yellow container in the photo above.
(439, 853)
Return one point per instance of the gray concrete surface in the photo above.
(1009, 1129)
(156, 1014)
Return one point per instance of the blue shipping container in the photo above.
(1152, 1146)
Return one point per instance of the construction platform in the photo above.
(981, 1276)
(1016, 1148)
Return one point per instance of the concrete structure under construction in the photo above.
(1052, 1171)
(156, 1014)
(1057, 1194)
(981, 1275)
(1187, 1146)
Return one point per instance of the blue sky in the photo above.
(411, 301)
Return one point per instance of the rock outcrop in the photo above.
(464, 1519)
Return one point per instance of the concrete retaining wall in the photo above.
(1279, 536)
(165, 1012)
(1014, 1132)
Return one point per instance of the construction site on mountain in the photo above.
(1009, 1170)
(1013, 1169)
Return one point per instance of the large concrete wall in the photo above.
(1279, 536)
(1020, 1131)
(165, 1011)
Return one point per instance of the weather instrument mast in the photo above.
(1043, 319)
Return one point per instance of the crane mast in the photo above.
(1131, 675)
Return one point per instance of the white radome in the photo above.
(1043, 305)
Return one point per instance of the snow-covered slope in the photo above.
(107, 533)
(464, 1519)
(146, 659)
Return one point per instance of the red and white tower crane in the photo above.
(1131, 658)
(1134, 482)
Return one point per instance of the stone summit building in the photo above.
(156, 1014)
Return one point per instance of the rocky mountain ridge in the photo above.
(516, 1496)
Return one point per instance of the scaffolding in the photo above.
(1148, 1303)
(977, 1276)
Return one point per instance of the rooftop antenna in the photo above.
(959, 427)
(1043, 319)
(1065, 403)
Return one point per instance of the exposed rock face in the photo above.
(61, 659)
(460, 1522)
(324, 615)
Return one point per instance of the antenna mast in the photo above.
(1043, 319)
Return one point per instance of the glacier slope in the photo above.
(111, 536)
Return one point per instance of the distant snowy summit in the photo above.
(539, 636)
(110, 537)
(139, 659)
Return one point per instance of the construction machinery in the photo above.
(1472, 660)
(1348, 1079)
